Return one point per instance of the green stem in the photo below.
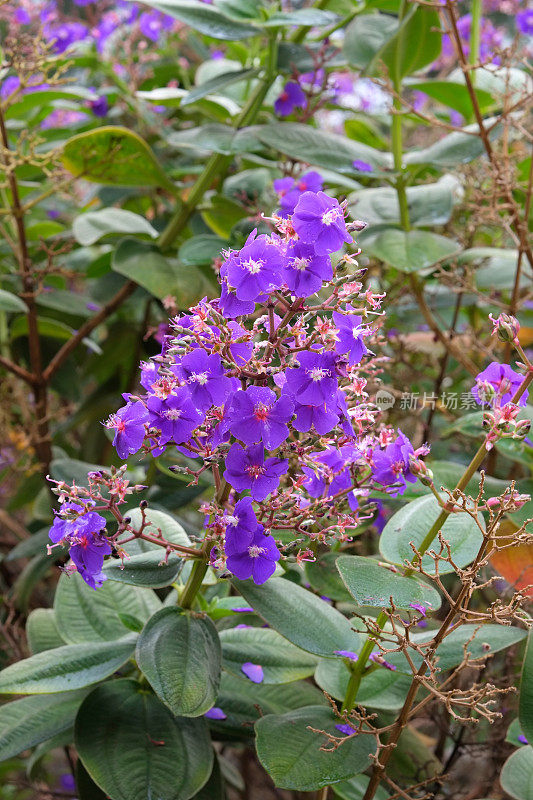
(218, 162)
(194, 582)
(359, 667)
(475, 34)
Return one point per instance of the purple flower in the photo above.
(63, 36)
(347, 654)
(346, 729)
(242, 521)
(100, 106)
(176, 416)
(319, 220)
(332, 473)
(289, 190)
(152, 24)
(129, 423)
(253, 556)
(231, 306)
(256, 415)
(253, 671)
(291, 97)
(215, 713)
(305, 271)
(524, 21)
(419, 607)
(82, 531)
(21, 16)
(377, 658)
(500, 379)
(204, 375)
(314, 382)
(391, 464)
(247, 470)
(350, 337)
(362, 166)
(10, 85)
(256, 269)
(522, 739)
(322, 419)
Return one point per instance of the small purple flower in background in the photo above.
(289, 190)
(346, 729)
(63, 118)
(205, 378)
(347, 654)
(215, 713)
(63, 36)
(305, 271)
(129, 423)
(10, 85)
(524, 21)
(153, 23)
(21, 16)
(522, 739)
(253, 671)
(257, 415)
(362, 166)
(350, 336)
(319, 220)
(247, 470)
(502, 381)
(100, 106)
(377, 658)
(291, 97)
(392, 465)
(419, 607)
(314, 382)
(252, 557)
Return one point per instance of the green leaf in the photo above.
(66, 302)
(517, 774)
(453, 95)
(316, 626)
(372, 585)
(513, 732)
(27, 722)
(429, 204)
(113, 155)
(11, 303)
(416, 43)
(205, 19)
(365, 36)
(325, 580)
(42, 631)
(411, 251)
(216, 138)
(282, 662)
(214, 789)
(355, 788)
(478, 642)
(145, 569)
(312, 17)
(90, 227)
(381, 689)
(202, 249)
(161, 276)
(134, 748)
(47, 328)
(86, 788)
(179, 653)
(455, 148)
(313, 146)
(525, 708)
(84, 615)
(64, 668)
(291, 753)
(411, 524)
(217, 83)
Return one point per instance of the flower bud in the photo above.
(506, 327)
(522, 429)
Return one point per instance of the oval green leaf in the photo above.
(525, 707)
(179, 653)
(411, 524)
(113, 155)
(281, 661)
(517, 774)
(300, 616)
(134, 748)
(291, 753)
(372, 585)
(90, 227)
(145, 569)
(72, 666)
(411, 251)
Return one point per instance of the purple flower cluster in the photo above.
(497, 384)
(80, 529)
